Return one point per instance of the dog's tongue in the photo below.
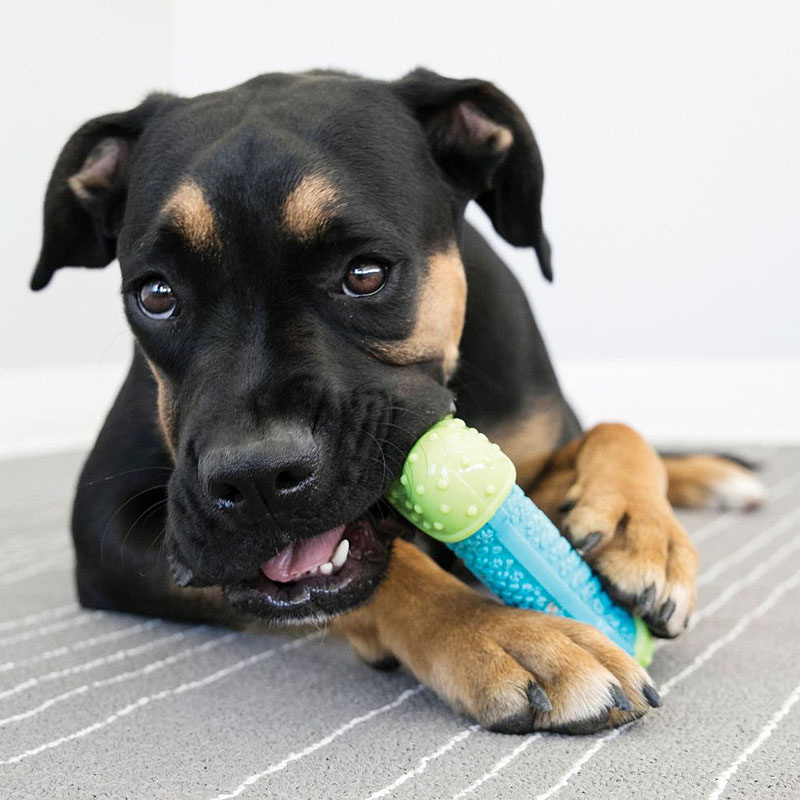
(300, 557)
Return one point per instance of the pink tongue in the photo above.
(300, 557)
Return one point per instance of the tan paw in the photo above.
(717, 482)
(516, 671)
(640, 550)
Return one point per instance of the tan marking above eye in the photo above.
(191, 213)
(309, 207)
(439, 316)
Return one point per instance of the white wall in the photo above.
(669, 133)
(62, 63)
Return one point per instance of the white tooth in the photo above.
(326, 568)
(340, 553)
(313, 571)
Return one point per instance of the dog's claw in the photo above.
(538, 698)
(619, 699)
(651, 695)
(646, 601)
(666, 612)
(589, 542)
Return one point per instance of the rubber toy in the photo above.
(460, 488)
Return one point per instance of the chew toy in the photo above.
(460, 488)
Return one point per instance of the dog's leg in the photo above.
(705, 481)
(512, 670)
(607, 491)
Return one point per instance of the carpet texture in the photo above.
(100, 705)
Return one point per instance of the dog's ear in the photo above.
(85, 199)
(485, 148)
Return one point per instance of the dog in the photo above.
(306, 299)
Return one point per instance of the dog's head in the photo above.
(291, 270)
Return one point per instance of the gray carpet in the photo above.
(96, 705)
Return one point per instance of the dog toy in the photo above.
(460, 488)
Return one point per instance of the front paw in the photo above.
(517, 671)
(639, 549)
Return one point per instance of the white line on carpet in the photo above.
(756, 574)
(500, 765)
(733, 589)
(31, 542)
(101, 661)
(764, 734)
(422, 764)
(30, 545)
(83, 644)
(162, 695)
(732, 634)
(320, 743)
(30, 619)
(37, 568)
(59, 513)
(746, 550)
(147, 669)
(13, 562)
(56, 627)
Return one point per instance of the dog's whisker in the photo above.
(124, 472)
(149, 510)
(144, 491)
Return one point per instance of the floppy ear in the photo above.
(85, 199)
(485, 147)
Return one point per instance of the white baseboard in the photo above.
(730, 402)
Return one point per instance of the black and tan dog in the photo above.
(307, 300)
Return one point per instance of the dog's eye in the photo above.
(157, 300)
(364, 278)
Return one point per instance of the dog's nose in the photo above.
(257, 480)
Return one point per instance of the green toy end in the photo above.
(643, 645)
(453, 481)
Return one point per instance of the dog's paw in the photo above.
(639, 549)
(717, 482)
(517, 671)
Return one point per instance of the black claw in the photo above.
(538, 698)
(386, 664)
(687, 620)
(651, 695)
(567, 506)
(666, 612)
(591, 541)
(619, 699)
(646, 601)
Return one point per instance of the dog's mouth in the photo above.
(322, 576)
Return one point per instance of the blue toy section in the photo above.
(519, 552)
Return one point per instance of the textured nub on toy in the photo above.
(453, 482)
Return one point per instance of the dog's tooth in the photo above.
(326, 568)
(340, 553)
